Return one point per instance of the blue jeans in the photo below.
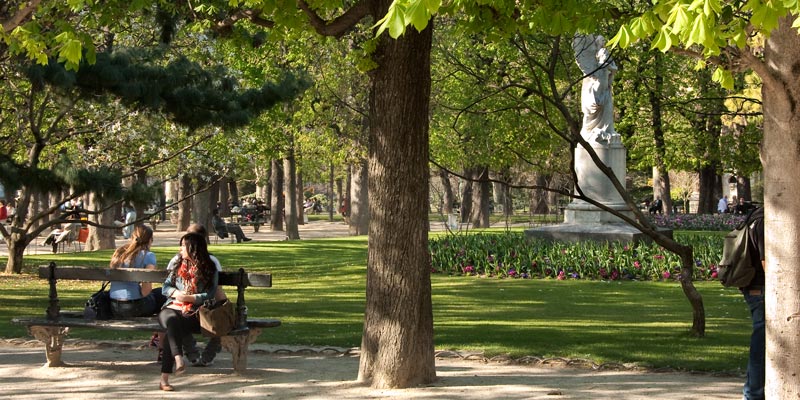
(756, 366)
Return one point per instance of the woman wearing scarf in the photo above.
(193, 282)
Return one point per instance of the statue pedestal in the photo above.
(584, 221)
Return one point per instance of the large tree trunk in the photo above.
(448, 198)
(224, 198)
(781, 153)
(289, 169)
(397, 344)
(708, 180)
(184, 207)
(331, 201)
(100, 238)
(300, 198)
(359, 208)
(539, 197)
(480, 198)
(466, 194)
(277, 201)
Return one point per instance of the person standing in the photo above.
(193, 281)
(3, 211)
(130, 217)
(754, 297)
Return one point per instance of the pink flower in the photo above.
(666, 275)
(561, 275)
(714, 275)
(637, 265)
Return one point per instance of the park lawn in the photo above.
(319, 289)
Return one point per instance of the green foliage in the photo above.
(191, 94)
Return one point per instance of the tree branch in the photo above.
(340, 25)
(22, 14)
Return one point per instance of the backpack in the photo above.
(736, 267)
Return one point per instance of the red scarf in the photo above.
(188, 273)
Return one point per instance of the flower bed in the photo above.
(512, 255)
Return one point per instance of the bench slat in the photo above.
(132, 324)
(226, 278)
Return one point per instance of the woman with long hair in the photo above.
(190, 284)
(135, 299)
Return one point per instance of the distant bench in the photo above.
(56, 324)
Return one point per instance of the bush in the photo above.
(512, 255)
(697, 222)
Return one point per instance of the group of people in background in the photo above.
(736, 207)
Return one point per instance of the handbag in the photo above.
(99, 305)
(217, 318)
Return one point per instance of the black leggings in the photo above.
(178, 327)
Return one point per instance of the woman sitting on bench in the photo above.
(134, 299)
(193, 282)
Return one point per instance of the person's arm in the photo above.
(149, 265)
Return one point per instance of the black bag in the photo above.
(99, 305)
(736, 267)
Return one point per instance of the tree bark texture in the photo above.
(466, 194)
(359, 208)
(277, 201)
(780, 153)
(292, 231)
(100, 238)
(184, 207)
(397, 344)
(300, 198)
(448, 198)
(480, 198)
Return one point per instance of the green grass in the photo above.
(319, 288)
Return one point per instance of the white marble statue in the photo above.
(596, 95)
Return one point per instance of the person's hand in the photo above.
(185, 298)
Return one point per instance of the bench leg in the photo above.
(238, 345)
(53, 339)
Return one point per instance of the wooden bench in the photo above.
(255, 224)
(56, 324)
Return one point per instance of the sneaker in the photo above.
(203, 363)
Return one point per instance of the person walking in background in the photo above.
(754, 296)
(191, 283)
(130, 216)
(722, 205)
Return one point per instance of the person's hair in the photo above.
(198, 251)
(140, 240)
(198, 229)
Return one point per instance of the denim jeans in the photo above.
(756, 366)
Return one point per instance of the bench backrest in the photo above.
(240, 279)
(226, 278)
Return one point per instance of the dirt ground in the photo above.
(123, 370)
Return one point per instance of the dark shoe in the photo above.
(165, 387)
(203, 363)
(247, 239)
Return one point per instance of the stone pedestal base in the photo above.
(611, 232)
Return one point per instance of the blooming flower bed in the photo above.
(512, 255)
